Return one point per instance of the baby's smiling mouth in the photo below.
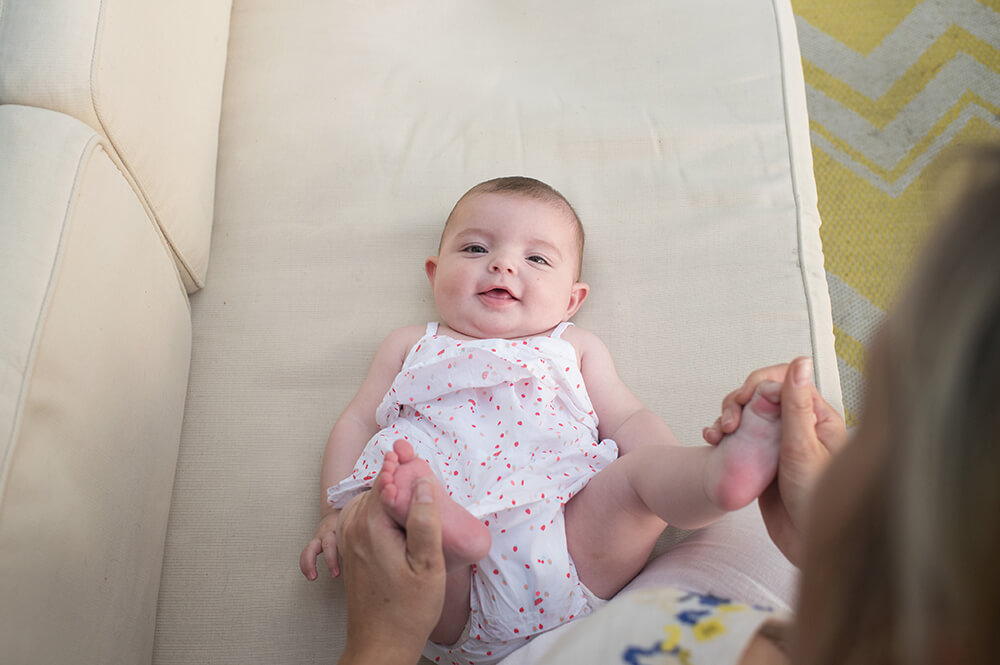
(498, 293)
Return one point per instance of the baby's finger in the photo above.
(330, 555)
(307, 560)
(713, 433)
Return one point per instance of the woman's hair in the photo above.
(943, 359)
(918, 579)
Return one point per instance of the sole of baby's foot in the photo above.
(745, 462)
(464, 539)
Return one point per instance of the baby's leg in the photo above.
(464, 539)
(614, 522)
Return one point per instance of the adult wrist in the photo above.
(387, 652)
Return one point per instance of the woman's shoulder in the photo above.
(651, 623)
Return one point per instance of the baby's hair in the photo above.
(532, 189)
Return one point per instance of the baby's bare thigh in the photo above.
(609, 531)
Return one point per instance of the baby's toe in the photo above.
(403, 450)
(766, 402)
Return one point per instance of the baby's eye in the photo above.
(540, 260)
(474, 249)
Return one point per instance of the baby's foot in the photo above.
(746, 461)
(464, 538)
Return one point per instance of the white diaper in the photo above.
(473, 648)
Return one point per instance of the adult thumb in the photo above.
(796, 392)
(423, 528)
(798, 418)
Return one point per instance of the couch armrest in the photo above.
(95, 344)
(145, 74)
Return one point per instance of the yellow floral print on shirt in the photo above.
(697, 619)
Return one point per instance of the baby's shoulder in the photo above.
(398, 343)
(584, 341)
(574, 334)
(407, 335)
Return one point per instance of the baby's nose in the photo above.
(501, 264)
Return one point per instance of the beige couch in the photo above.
(162, 417)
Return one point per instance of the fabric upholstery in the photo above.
(94, 356)
(349, 129)
(145, 74)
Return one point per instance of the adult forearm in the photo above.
(386, 653)
(394, 580)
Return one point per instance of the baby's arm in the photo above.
(621, 416)
(355, 426)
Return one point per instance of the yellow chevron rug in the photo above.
(892, 86)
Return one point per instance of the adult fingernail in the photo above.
(803, 371)
(423, 492)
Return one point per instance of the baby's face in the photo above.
(507, 267)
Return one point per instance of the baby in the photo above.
(559, 481)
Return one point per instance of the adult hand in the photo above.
(811, 433)
(733, 403)
(394, 579)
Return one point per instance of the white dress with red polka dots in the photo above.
(510, 431)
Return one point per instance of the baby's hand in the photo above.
(324, 541)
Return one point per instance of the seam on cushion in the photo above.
(42, 317)
(156, 227)
(800, 240)
(120, 158)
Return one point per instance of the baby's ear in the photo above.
(430, 267)
(576, 297)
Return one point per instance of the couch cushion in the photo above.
(94, 357)
(349, 129)
(145, 74)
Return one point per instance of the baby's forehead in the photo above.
(557, 208)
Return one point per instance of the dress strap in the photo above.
(432, 328)
(560, 329)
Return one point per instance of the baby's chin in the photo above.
(499, 331)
